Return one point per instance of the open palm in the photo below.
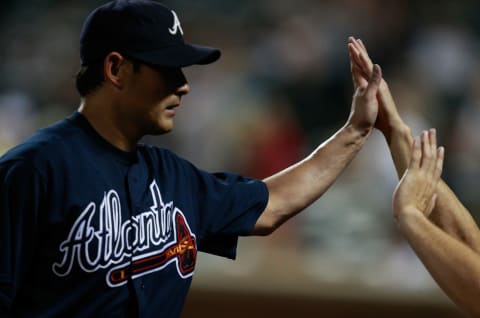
(416, 190)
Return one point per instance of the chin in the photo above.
(159, 126)
(160, 130)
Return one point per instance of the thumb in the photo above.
(374, 81)
(431, 205)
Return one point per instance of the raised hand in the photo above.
(365, 105)
(415, 193)
(362, 69)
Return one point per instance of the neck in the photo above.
(108, 123)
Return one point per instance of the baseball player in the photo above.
(94, 224)
(440, 229)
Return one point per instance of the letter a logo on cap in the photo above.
(176, 25)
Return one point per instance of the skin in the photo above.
(296, 187)
(443, 234)
(415, 193)
(129, 105)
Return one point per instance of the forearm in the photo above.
(296, 187)
(452, 216)
(397, 134)
(400, 142)
(453, 265)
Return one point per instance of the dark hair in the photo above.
(90, 77)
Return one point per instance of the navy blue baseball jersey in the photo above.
(89, 230)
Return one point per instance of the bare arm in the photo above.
(449, 213)
(293, 189)
(453, 265)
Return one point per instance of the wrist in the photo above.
(399, 130)
(389, 121)
(393, 127)
(408, 217)
(357, 126)
(357, 134)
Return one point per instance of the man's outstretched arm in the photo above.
(295, 188)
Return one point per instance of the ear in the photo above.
(114, 69)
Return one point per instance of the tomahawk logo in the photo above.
(176, 25)
(110, 242)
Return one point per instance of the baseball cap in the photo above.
(141, 29)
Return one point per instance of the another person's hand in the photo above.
(362, 69)
(415, 193)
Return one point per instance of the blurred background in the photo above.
(281, 88)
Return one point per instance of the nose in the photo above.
(179, 82)
(183, 89)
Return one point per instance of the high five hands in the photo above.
(364, 110)
(362, 70)
(415, 192)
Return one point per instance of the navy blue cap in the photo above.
(141, 29)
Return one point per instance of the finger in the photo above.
(358, 76)
(357, 45)
(416, 154)
(362, 45)
(426, 152)
(431, 205)
(352, 64)
(351, 47)
(365, 62)
(439, 162)
(352, 54)
(362, 57)
(432, 136)
(374, 82)
(355, 54)
(357, 70)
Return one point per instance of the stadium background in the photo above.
(281, 87)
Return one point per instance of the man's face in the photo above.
(152, 97)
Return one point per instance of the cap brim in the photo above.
(179, 56)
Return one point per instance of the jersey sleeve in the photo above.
(21, 191)
(229, 207)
